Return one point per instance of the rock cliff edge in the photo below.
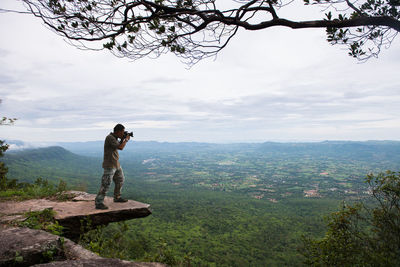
(76, 212)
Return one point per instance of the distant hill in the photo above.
(52, 163)
(374, 150)
(45, 153)
(91, 148)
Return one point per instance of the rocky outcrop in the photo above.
(78, 213)
(27, 247)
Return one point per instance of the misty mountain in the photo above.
(53, 153)
(52, 163)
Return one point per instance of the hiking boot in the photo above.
(101, 206)
(121, 200)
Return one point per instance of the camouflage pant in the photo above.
(118, 177)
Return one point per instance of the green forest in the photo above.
(217, 205)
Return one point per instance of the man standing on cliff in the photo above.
(112, 167)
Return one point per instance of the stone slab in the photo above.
(79, 208)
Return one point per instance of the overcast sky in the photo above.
(276, 84)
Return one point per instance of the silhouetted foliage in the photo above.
(196, 29)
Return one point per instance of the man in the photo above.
(112, 167)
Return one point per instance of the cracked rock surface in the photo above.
(25, 247)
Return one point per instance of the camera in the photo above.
(127, 133)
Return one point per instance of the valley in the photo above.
(217, 204)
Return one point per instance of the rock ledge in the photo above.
(76, 214)
(26, 247)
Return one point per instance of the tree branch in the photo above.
(196, 29)
(360, 21)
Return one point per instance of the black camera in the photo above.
(127, 133)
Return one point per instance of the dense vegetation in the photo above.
(218, 205)
(363, 234)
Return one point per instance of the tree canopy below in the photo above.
(363, 234)
(197, 29)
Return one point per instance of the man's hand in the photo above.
(123, 143)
